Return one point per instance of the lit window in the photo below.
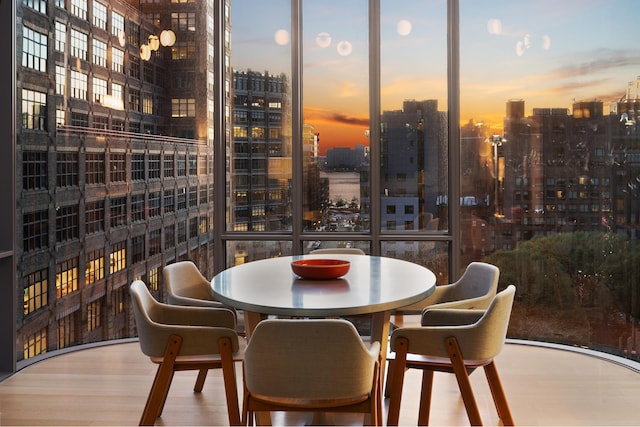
(117, 95)
(79, 8)
(67, 330)
(34, 110)
(99, 90)
(61, 79)
(35, 344)
(183, 50)
(99, 53)
(183, 107)
(94, 269)
(35, 291)
(34, 50)
(78, 85)
(79, 44)
(99, 15)
(66, 277)
(61, 36)
(118, 257)
(37, 5)
(183, 21)
(117, 25)
(117, 60)
(154, 281)
(94, 314)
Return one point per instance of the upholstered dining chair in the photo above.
(456, 341)
(187, 286)
(475, 289)
(317, 365)
(346, 251)
(185, 338)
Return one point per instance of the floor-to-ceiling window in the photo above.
(549, 97)
(340, 130)
(338, 124)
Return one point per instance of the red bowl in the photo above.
(320, 268)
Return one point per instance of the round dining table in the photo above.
(373, 286)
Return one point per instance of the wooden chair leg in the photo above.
(202, 376)
(164, 398)
(230, 382)
(161, 383)
(425, 398)
(375, 410)
(497, 391)
(462, 376)
(396, 381)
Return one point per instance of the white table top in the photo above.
(373, 284)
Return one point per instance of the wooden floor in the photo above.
(108, 386)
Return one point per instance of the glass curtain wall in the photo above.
(309, 161)
(550, 165)
(414, 135)
(260, 169)
(339, 121)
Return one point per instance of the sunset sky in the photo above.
(546, 52)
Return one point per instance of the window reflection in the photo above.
(261, 151)
(114, 152)
(549, 138)
(414, 136)
(335, 115)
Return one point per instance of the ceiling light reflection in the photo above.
(323, 40)
(282, 37)
(404, 27)
(344, 48)
(167, 38)
(494, 26)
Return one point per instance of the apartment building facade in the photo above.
(114, 160)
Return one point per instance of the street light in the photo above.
(496, 141)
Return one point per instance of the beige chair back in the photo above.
(480, 340)
(308, 359)
(478, 283)
(156, 322)
(351, 251)
(475, 289)
(184, 280)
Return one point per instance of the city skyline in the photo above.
(508, 51)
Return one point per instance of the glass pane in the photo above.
(339, 245)
(414, 117)
(433, 255)
(114, 172)
(549, 102)
(259, 169)
(336, 113)
(239, 252)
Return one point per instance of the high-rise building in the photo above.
(261, 162)
(412, 164)
(557, 172)
(114, 159)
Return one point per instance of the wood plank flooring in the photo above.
(108, 386)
